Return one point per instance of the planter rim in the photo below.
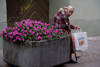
(46, 40)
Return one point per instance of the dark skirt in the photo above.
(71, 46)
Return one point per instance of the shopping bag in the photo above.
(79, 39)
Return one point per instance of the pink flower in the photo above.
(30, 25)
(59, 35)
(36, 24)
(17, 37)
(48, 24)
(1, 36)
(26, 22)
(44, 28)
(18, 29)
(40, 33)
(23, 27)
(23, 39)
(25, 34)
(27, 28)
(30, 31)
(37, 34)
(33, 32)
(14, 40)
(10, 37)
(42, 24)
(39, 38)
(5, 31)
(20, 34)
(54, 34)
(44, 33)
(57, 31)
(49, 36)
(13, 28)
(48, 32)
(16, 22)
(15, 32)
(51, 30)
(5, 28)
(22, 30)
(20, 25)
(39, 22)
(8, 28)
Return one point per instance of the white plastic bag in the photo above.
(80, 42)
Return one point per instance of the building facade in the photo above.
(86, 14)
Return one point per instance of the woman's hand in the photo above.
(76, 27)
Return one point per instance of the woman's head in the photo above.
(68, 9)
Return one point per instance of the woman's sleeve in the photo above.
(72, 26)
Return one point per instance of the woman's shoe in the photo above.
(72, 61)
(77, 56)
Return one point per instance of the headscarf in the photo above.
(69, 7)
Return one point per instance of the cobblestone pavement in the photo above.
(89, 58)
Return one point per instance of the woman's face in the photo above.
(70, 12)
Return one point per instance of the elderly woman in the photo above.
(61, 21)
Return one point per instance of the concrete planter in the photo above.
(37, 53)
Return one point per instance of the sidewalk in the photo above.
(89, 58)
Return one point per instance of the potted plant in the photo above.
(34, 44)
